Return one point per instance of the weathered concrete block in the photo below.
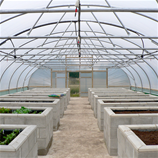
(43, 124)
(54, 103)
(97, 96)
(21, 146)
(130, 145)
(102, 105)
(52, 90)
(115, 120)
(105, 90)
(110, 92)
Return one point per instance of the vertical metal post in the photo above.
(80, 84)
(106, 77)
(92, 71)
(65, 71)
(51, 78)
(55, 79)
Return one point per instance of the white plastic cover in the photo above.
(140, 66)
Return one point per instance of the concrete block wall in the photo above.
(47, 91)
(43, 121)
(102, 105)
(63, 100)
(53, 90)
(127, 96)
(112, 121)
(110, 95)
(62, 105)
(23, 146)
(55, 105)
(106, 90)
(131, 146)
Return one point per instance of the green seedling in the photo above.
(9, 137)
(22, 110)
(5, 110)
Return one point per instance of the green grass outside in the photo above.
(74, 90)
(75, 95)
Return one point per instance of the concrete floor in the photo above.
(78, 135)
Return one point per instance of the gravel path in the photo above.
(78, 135)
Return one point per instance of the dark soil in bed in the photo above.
(148, 137)
(121, 101)
(6, 136)
(134, 111)
(30, 101)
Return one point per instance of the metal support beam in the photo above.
(54, 54)
(79, 30)
(51, 71)
(55, 28)
(44, 10)
(118, 19)
(128, 48)
(92, 74)
(81, 59)
(107, 78)
(1, 2)
(38, 19)
(56, 64)
(74, 37)
(101, 28)
(66, 72)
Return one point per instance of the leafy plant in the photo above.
(8, 138)
(22, 110)
(35, 112)
(1, 131)
(5, 110)
(1, 134)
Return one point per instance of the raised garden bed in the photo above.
(101, 105)
(34, 93)
(105, 90)
(63, 101)
(148, 137)
(135, 141)
(155, 99)
(134, 111)
(55, 104)
(45, 94)
(22, 110)
(43, 121)
(50, 91)
(6, 136)
(108, 91)
(112, 121)
(123, 93)
(23, 145)
(119, 96)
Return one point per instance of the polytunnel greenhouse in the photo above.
(77, 63)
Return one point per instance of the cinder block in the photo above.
(130, 145)
(44, 126)
(102, 105)
(111, 125)
(19, 146)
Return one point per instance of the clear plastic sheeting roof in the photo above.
(79, 35)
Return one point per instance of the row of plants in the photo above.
(7, 136)
(22, 110)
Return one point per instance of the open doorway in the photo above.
(74, 84)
